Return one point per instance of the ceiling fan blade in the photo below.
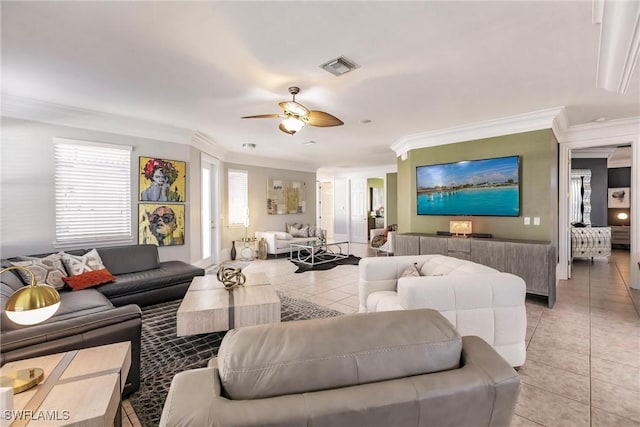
(265, 116)
(284, 129)
(292, 107)
(322, 119)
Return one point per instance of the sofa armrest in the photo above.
(381, 274)
(90, 330)
(46, 332)
(476, 353)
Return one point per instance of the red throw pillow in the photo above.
(88, 279)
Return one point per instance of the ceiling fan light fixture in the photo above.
(292, 125)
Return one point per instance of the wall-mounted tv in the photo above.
(489, 187)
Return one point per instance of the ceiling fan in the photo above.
(296, 116)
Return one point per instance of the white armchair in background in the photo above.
(388, 246)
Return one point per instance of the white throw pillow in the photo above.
(411, 271)
(81, 264)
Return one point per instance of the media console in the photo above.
(534, 261)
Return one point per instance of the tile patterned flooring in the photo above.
(583, 356)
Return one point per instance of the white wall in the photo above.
(27, 192)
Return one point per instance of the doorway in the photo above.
(564, 241)
(325, 208)
(209, 210)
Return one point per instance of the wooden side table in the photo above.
(80, 388)
(248, 250)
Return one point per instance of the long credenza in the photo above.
(533, 261)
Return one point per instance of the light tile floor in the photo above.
(583, 356)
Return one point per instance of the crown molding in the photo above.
(619, 43)
(268, 162)
(327, 174)
(205, 143)
(593, 153)
(626, 129)
(543, 119)
(76, 117)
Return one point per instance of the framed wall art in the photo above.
(162, 180)
(619, 197)
(285, 197)
(161, 225)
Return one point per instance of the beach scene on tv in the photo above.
(487, 187)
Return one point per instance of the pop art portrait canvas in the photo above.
(162, 180)
(160, 225)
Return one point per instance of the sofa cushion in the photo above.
(129, 259)
(169, 273)
(272, 360)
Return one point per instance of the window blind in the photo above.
(238, 196)
(93, 192)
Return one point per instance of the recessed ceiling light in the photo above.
(311, 141)
(249, 145)
(365, 121)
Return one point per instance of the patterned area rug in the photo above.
(352, 260)
(164, 354)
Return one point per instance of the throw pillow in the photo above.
(313, 231)
(411, 271)
(378, 240)
(81, 264)
(88, 279)
(300, 232)
(47, 270)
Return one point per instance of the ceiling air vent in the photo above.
(339, 66)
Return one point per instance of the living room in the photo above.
(171, 81)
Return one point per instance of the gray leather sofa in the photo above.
(100, 315)
(396, 368)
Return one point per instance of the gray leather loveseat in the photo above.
(396, 368)
(100, 315)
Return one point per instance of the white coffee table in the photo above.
(209, 307)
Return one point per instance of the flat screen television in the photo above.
(488, 187)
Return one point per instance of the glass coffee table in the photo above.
(316, 252)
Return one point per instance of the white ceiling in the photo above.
(202, 65)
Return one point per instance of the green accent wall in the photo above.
(392, 198)
(538, 151)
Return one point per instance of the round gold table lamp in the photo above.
(28, 306)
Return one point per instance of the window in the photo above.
(93, 192)
(238, 196)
